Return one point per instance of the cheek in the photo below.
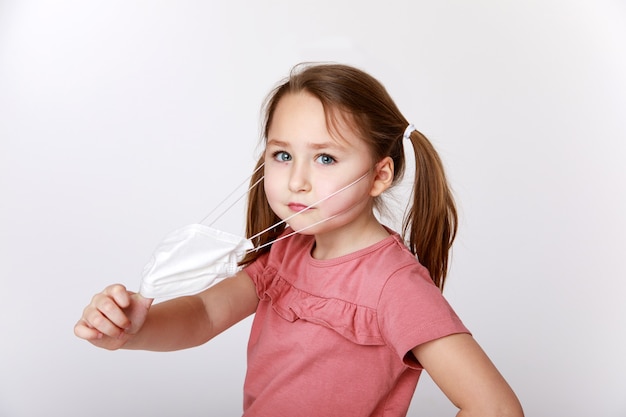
(271, 186)
(347, 198)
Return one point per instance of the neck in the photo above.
(349, 238)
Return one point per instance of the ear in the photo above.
(383, 176)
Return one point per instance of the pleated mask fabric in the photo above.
(191, 259)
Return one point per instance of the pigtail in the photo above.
(259, 217)
(430, 225)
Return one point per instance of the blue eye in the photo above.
(282, 156)
(325, 159)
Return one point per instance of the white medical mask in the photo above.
(190, 259)
(194, 257)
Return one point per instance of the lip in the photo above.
(297, 207)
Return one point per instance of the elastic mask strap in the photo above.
(302, 211)
(296, 231)
(229, 195)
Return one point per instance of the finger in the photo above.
(100, 323)
(83, 330)
(119, 294)
(106, 316)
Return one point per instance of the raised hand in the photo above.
(113, 317)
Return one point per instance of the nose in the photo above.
(299, 178)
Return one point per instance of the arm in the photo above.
(462, 370)
(117, 318)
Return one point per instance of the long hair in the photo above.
(430, 224)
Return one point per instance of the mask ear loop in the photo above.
(302, 211)
(221, 203)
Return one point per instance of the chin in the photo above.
(297, 227)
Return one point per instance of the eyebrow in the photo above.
(312, 145)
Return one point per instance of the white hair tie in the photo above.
(407, 132)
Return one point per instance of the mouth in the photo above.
(297, 207)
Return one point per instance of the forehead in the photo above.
(302, 114)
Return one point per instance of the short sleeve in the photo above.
(257, 271)
(413, 311)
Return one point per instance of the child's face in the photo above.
(304, 163)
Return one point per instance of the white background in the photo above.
(122, 120)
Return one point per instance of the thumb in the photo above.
(143, 301)
(137, 312)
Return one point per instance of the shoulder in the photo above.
(407, 282)
(391, 260)
(287, 247)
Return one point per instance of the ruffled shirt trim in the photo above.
(356, 323)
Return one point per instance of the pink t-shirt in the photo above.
(332, 337)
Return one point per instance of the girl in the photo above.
(346, 317)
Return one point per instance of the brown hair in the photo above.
(430, 223)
